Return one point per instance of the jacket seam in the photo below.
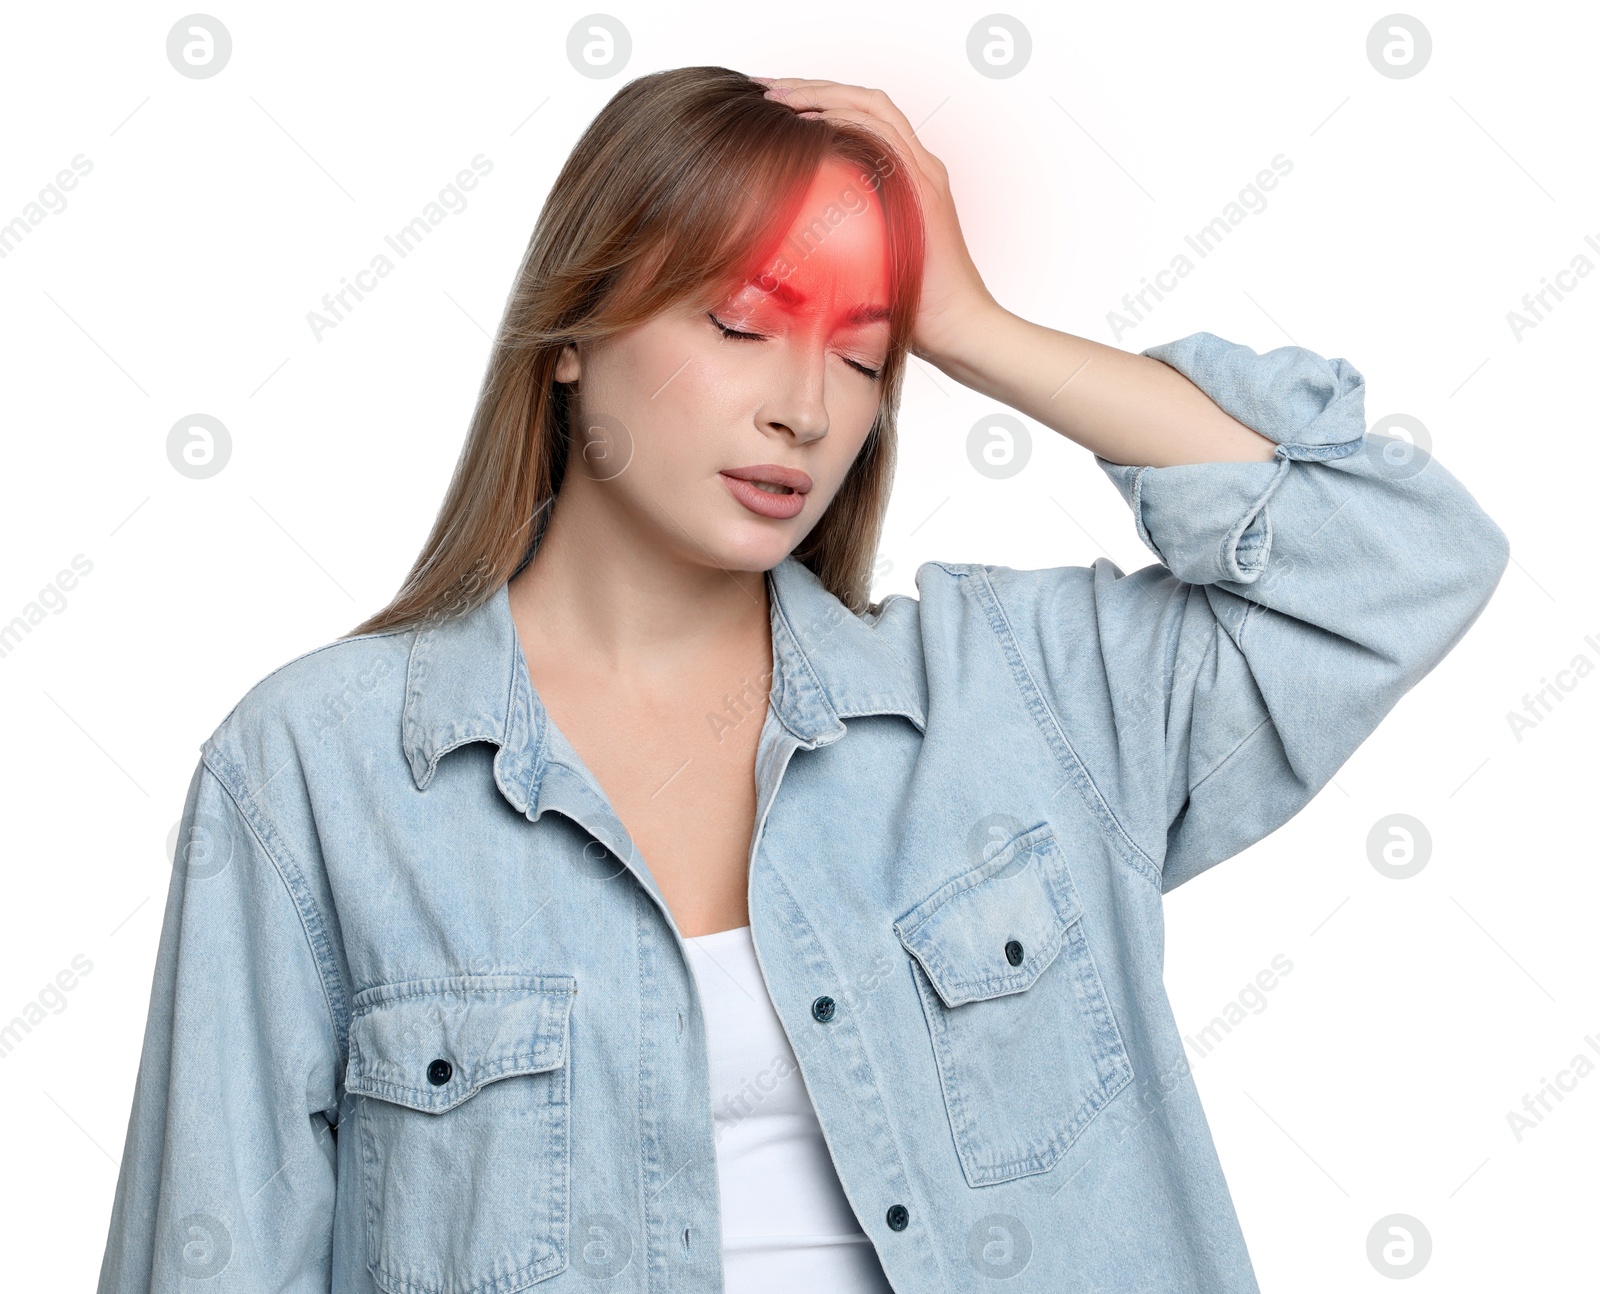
(1136, 501)
(1228, 548)
(295, 660)
(1229, 757)
(532, 982)
(1128, 849)
(312, 926)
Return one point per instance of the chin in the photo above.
(749, 549)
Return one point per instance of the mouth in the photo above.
(778, 493)
(772, 478)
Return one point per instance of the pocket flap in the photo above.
(484, 1027)
(963, 933)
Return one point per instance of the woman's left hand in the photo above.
(953, 292)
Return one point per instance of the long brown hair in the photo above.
(682, 186)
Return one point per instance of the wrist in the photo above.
(958, 350)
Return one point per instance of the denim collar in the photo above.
(467, 680)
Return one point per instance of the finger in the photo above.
(874, 109)
(908, 146)
(787, 81)
(779, 87)
(871, 108)
(830, 94)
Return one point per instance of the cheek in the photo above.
(844, 443)
(672, 398)
(856, 411)
(695, 388)
(685, 426)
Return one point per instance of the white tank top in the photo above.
(787, 1227)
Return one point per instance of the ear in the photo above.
(567, 367)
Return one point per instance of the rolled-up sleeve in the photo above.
(1295, 602)
(228, 1170)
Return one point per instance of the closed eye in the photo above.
(874, 374)
(734, 332)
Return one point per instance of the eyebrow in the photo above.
(788, 295)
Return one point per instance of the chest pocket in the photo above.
(1027, 1047)
(463, 1121)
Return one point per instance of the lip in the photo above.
(772, 474)
(779, 507)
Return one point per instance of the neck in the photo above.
(595, 594)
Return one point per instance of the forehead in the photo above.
(835, 254)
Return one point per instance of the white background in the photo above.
(1419, 1012)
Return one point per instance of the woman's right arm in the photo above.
(229, 1163)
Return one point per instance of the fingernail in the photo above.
(765, 80)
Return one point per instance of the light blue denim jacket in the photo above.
(421, 1021)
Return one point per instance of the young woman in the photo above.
(633, 901)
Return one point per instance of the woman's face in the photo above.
(676, 404)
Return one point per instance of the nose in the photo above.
(798, 405)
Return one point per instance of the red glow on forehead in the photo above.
(786, 294)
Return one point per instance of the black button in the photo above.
(822, 1008)
(1014, 952)
(899, 1217)
(439, 1072)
